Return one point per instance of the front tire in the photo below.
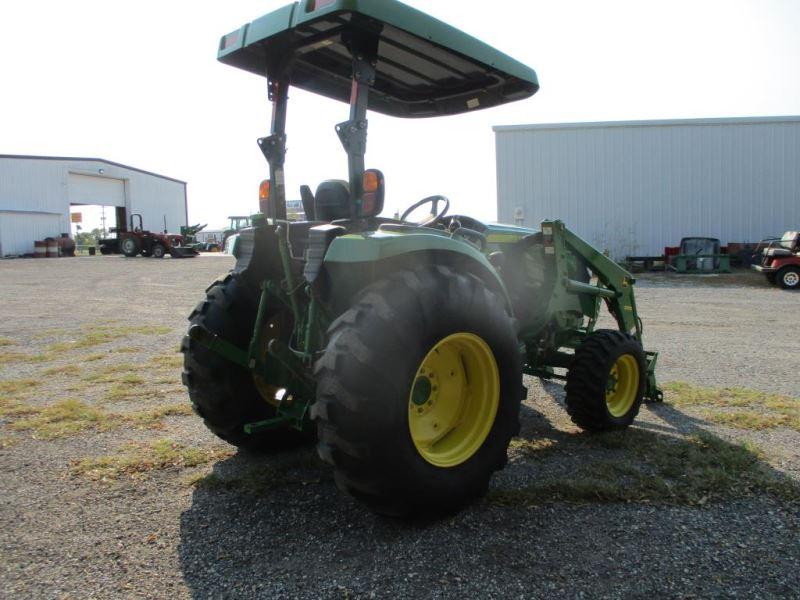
(789, 278)
(418, 392)
(224, 394)
(158, 251)
(606, 381)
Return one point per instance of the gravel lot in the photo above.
(286, 532)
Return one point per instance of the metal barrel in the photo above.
(52, 248)
(39, 249)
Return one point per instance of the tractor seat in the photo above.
(332, 201)
(778, 252)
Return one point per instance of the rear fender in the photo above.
(353, 262)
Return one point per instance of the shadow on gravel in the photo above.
(276, 526)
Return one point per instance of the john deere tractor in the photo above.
(400, 345)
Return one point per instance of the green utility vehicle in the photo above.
(401, 344)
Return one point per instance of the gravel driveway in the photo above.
(128, 496)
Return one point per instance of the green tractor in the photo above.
(399, 345)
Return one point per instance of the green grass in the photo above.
(735, 407)
(66, 418)
(62, 370)
(99, 336)
(537, 448)
(154, 418)
(10, 388)
(145, 330)
(12, 408)
(138, 459)
(9, 357)
(752, 420)
(7, 441)
(116, 373)
(72, 416)
(167, 361)
(640, 466)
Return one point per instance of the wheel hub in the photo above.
(454, 400)
(791, 279)
(622, 385)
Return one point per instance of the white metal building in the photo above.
(36, 193)
(634, 187)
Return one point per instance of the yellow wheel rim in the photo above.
(622, 386)
(453, 400)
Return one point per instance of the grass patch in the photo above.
(738, 407)
(116, 374)
(71, 417)
(139, 459)
(125, 391)
(8, 357)
(66, 418)
(147, 330)
(62, 370)
(15, 387)
(537, 448)
(154, 417)
(107, 335)
(7, 441)
(92, 357)
(4, 341)
(167, 361)
(10, 407)
(752, 420)
(658, 468)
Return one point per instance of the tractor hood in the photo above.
(425, 67)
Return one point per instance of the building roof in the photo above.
(101, 160)
(653, 123)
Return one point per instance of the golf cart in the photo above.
(780, 261)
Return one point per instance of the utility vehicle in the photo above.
(401, 344)
(780, 261)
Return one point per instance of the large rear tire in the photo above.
(224, 394)
(418, 392)
(606, 382)
(130, 246)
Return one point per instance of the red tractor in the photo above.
(136, 240)
(780, 261)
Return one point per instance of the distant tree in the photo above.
(88, 238)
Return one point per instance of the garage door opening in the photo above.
(92, 222)
(97, 208)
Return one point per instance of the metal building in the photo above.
(36, 193)
(634, 187)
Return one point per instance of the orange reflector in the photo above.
(263, 190)
(371, 181)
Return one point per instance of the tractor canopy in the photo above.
(424, 68)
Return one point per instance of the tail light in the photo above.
(263, 196)
(374, 190)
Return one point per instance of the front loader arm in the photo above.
(614, 285)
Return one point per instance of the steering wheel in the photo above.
(435, 214)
